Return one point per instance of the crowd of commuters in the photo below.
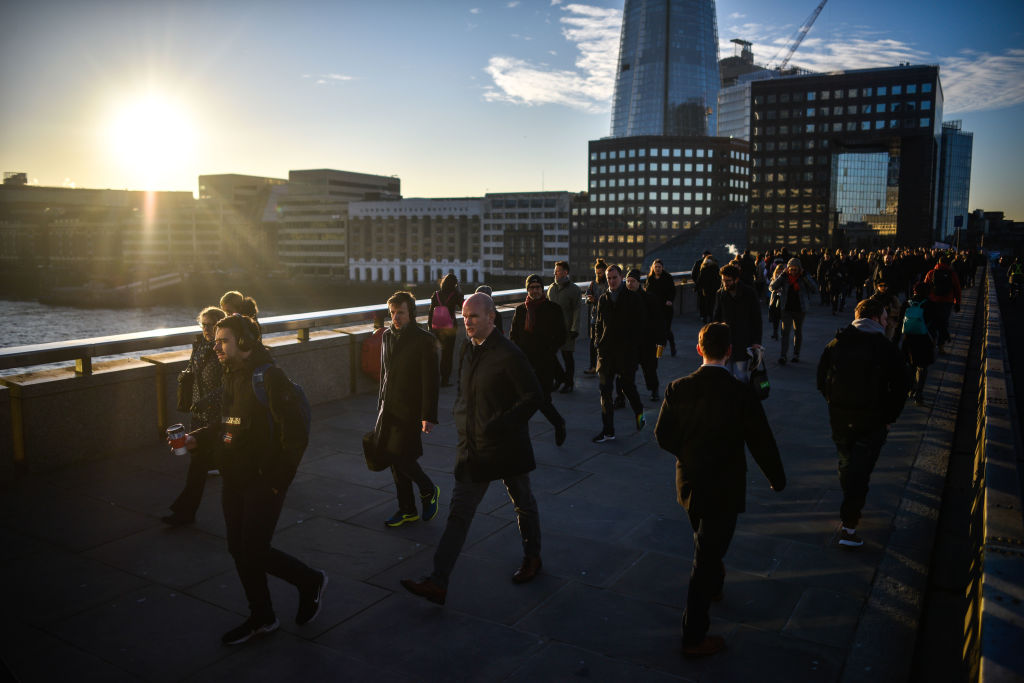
(247, 418)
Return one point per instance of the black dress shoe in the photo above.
(560, 433)
(174, 519)
(529, 569)
(425, 588)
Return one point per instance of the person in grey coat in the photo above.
(497, 393)
(794, 288)
(564, 292)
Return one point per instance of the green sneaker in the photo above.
(641, 421)
(430, 504)
(400, 518)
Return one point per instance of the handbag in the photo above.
(380, 450)
(185, 381)
(759, 375)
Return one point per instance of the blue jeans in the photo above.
(858, 453)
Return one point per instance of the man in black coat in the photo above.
(538, 329)
(653, 334)
(738, 306)
(498, 392)
(618, 330)
(260, 445)
(407, 405)
(864, 378)
(706, 419)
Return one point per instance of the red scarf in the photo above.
(794, 282)
(531, 313)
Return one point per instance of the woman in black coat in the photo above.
(662, 287)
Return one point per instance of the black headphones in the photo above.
(250, 334)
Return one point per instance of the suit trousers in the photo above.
(406, 470)
(251, 511)
(858, 453)
(466, 497)
(569, 373)
(607, 377)
(712, 534)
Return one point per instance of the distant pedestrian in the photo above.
(706, 421)
(620, 321)
(863, 378)
(407, 406)
(597, 287)
(564, 292)
(737, 305)
(946, 294)
(662, 287)
(708, 283)
(498, 392)
(235, 302)
(794, 287)
(652, 337)
(538, 329)
(919, 314)
(499, 321)
(444, 302)
(204, 373)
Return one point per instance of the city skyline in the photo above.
(458, 99)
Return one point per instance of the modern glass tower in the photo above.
(954, 178)
(668, 78)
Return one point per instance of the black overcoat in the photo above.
(540, 345)
(409, 381)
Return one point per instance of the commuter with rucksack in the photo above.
(946, 294)
(863, 378)
(441, 321)
(919, 338)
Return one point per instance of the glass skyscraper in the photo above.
(668, 78)
(954, 178)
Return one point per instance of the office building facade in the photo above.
(413, 241)
(525, 232)
(668, 79)
(646, 190)
(845, 159)
(237, 203)
(312, 227)
(954, 178)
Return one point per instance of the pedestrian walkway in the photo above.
(96, 588)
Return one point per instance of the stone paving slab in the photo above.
(96, 585)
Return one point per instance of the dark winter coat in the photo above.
(257, 445)
(540, 345)
(742, 313)
(409, 380)
(662, 289)
(618, 329)
(498, 392)
(706, 420)
(206, 373)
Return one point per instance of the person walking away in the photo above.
(795, 288)
(824, 266)
(595, 290)
(441, 321)
(407, 406)
(620, 321)
(564, 292)
(708, 283)
(205, 372)
(863, 378)
(946, 294)
(919, 338)
(653, 336)
(662, 286)
(498, 392)
(706, 420)
(737, 305)
(261, 438)
(538, 329)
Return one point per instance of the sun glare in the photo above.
(152, 139)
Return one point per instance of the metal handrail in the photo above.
(82, 351)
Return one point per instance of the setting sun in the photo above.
(153, 138)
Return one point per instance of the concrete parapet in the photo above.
(322, 365)
(168, 365)
(1002, 589)
(67, 417)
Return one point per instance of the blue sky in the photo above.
(456, 98)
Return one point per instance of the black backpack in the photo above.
(942, 281)
(854, 379)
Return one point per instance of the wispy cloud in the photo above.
(737, 15)
(328, 79)
(474, 10)
(556, 2)
(971, 80)
(514, 3)
(594, 31)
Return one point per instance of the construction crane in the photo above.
(800, 36)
